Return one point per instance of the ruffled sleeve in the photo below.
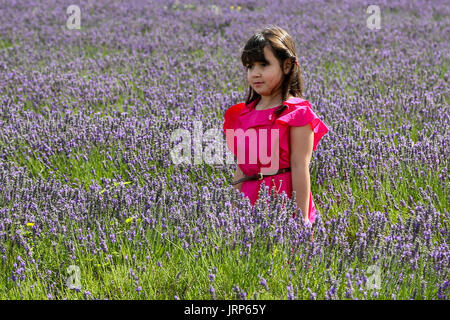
(231, 122)
(300, 115)
(231, 115)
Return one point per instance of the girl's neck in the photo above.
(269, 102)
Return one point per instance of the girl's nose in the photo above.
(256, 70)
(256, 74)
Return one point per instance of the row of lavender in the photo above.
(82, 110)
(414, 248)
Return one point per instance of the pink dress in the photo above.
(298, 113)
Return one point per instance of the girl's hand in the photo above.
(238, 174)
(308, 223)
(233, 204)
(305, 219)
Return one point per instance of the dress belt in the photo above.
(260, 176)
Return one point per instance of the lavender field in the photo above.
(92, 205)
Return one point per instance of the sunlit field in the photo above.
(92, 205)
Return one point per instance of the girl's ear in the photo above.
(287, 66)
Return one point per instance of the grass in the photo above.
(6, 43)
(182, 273)
(93, 52)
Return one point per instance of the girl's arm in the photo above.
(301, 186)
(238, 175)
(301, 147)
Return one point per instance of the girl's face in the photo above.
(265, 78)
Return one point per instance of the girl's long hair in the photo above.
(283, 48)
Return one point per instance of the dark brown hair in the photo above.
(283, 47)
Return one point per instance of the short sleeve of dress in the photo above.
(300, 115)
(231, 122)
(231, 115)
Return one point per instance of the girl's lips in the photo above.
(258, 83)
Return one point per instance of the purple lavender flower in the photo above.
(212, 291)
(263, 282)
(290, 292)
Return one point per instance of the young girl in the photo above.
(276, 120)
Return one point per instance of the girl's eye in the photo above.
(250, 66)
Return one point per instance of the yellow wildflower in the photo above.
(274, 254)
(239, 7)
(30, 224)
(129, 220)
(231, 7)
